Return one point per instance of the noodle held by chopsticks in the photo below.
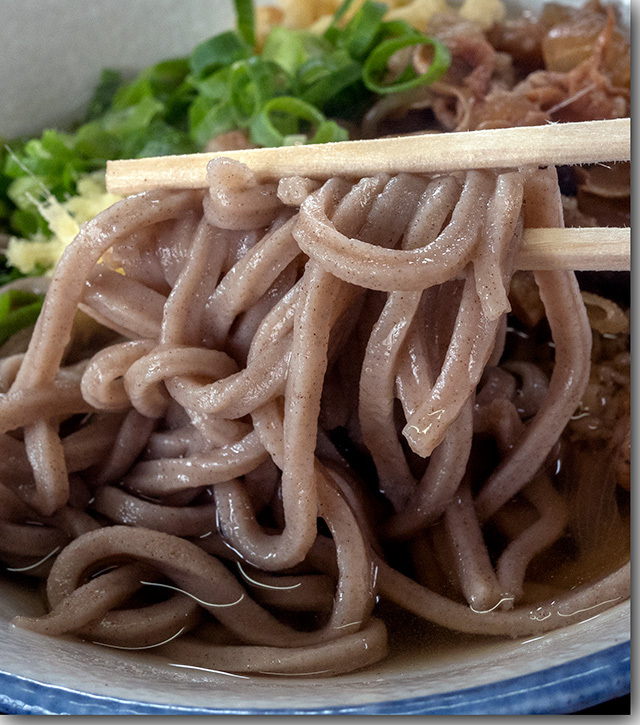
(257, 305)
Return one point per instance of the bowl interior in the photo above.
(461, 673)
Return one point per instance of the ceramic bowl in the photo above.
(51, 52)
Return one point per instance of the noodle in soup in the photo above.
(247, 415)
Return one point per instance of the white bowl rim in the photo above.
(594, 678)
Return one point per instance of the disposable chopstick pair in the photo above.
(554, 144)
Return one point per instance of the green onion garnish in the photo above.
(245, 20)
(320, 79)
(286, 117)
(218, 52)
(332, 31)
(293, 90)
(18, 309)
(252, 83)
(342, 9)
(362, 30)
(375, 66)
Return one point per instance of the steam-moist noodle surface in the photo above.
(245, 416)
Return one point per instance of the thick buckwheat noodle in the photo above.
(246, 416)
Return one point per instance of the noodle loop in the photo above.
(309, 398)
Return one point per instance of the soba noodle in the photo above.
(179, 474)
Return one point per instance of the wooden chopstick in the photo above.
(557, 144)
(588, 249)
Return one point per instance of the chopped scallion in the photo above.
(245, 20)
(375, 66)
(362, 30)
(287, 116)
(218, 52)
(18, 309)
(291, 91)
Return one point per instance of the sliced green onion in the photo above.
(294, 139)
(28, 222)
(130, 94)
(342, 9)
(209, 118)
(9, 273)
(178, 103)
(15, 298)
(286, 112)
(330, 131)
(158, 139)
(94, 142)
(245, 20)
(333, 33)
(291, 49)
(218, 52)
(285, 94)
(361, 31)
(281, 117)
(251, 84)
(167, 76)
(128, 120)
(326, 88)
(376, 65)
(327, 132)
(18, 309)
(110, 81)
(216, 85)
(396, 29)
(320, 79)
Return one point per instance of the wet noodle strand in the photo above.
(298, 399)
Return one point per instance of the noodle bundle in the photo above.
(295, 400)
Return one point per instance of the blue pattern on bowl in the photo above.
(565, 688)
